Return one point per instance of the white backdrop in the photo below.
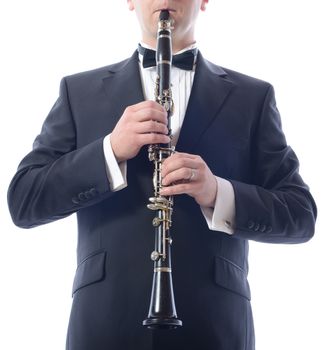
(278, 41)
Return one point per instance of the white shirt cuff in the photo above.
(116, 172)
(222, 216)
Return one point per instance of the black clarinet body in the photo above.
(162, 311)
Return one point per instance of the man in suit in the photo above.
(233, 176)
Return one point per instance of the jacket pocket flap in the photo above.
(232, 277)
(90, 270)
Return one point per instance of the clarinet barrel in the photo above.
(162, 311)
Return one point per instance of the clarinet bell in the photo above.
(162, 312)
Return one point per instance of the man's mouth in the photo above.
(170, 10)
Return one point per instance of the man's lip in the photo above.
(170, 10)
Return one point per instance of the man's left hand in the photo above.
(185, 173)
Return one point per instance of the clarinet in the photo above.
(162, 311)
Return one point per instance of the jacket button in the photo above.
(93, 192)
(75, 200)
(88, 195)
(250, 224)
(82, 196)
(262, 228)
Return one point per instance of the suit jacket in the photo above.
(232, 122)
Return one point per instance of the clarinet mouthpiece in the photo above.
(164, 15)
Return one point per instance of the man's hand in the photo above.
(141, 124)
(188, 173)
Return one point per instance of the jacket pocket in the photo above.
(89, 271)
(232, 277)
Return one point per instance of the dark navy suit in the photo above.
(232, 122)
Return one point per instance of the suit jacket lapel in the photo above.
(209, 92)
(123, 87)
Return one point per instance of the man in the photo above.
(233, 178)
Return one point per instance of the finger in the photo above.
(180, 157)
(151, 114)
(173, 164)
(185, 155)
(183, 188)
(179, 175)
(152, 138)
(151, 126)
(146, 104)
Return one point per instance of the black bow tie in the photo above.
(184, 60)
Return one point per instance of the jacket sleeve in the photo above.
(277, 207)
(56, 179)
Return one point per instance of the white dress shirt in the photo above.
(219, 218)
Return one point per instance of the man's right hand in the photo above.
(141, 124)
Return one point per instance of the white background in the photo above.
(280, 41)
